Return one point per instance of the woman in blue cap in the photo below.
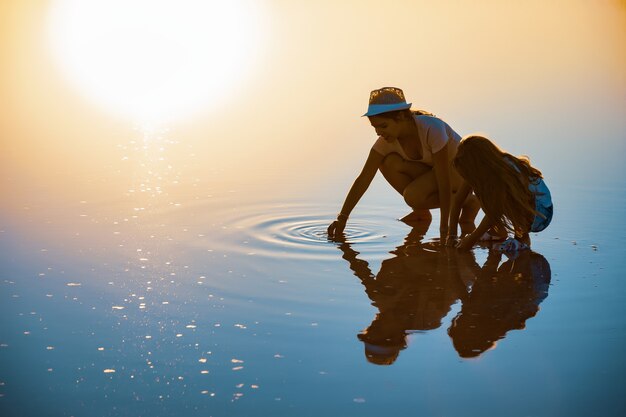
(414, 152)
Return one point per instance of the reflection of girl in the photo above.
(413, 291)
(511, 192)
(502, 299)
(414, 151)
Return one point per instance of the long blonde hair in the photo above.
(500, 181)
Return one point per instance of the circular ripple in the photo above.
(289, 231)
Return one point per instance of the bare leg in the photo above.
(422, 192)
(468, 214)
(399, 173)
(418, 216)
(418, 185)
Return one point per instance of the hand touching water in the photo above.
(335, 230)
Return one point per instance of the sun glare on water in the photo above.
(155, 60)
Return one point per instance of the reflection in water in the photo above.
(415, 289)
(502, 299)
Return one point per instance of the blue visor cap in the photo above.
(375, 109)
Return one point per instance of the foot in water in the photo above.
(418, 216)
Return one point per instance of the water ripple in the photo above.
(300, 232)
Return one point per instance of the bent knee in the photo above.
(416, 200)
(392, 160)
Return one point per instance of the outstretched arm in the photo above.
(357, 190)
(360, 267)
(441, 165)
(470, 240)
(455, 211)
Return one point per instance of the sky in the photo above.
(281, 86)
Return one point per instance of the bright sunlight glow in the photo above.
(156, 60)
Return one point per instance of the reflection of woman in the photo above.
(502, 299)
(413, 291)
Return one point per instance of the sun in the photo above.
(156, 60)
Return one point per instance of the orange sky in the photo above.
(518, 71)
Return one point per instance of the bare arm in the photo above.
(360, 267)
(455, 209)
(441, 166)
(470, 240)
(360, 185)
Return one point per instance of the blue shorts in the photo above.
(540, 223)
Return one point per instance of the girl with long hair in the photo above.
(414, 152)
(511, 192)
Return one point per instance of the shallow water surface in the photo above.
(227, 305)
(181, 268)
